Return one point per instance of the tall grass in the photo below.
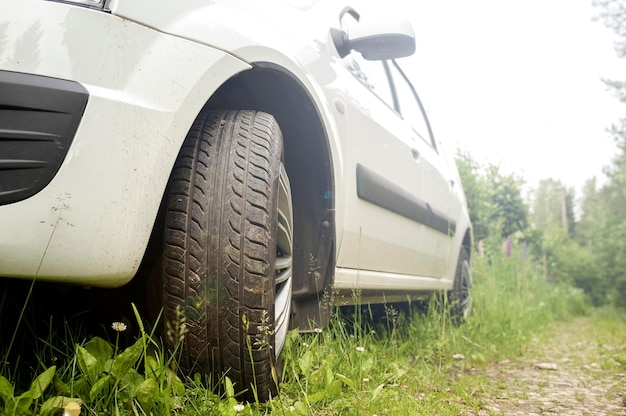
(415, 361)
(514, 301)
(392, 360)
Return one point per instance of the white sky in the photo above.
(519, 83)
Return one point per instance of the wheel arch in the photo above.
(467, 241)
(269, 88)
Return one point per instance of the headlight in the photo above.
(92, 4)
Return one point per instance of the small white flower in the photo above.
(119, 326)
(360, 349)
(365, 380)
(305, 345)
(318, 330)
(239, 408)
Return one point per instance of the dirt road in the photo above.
(574, 368)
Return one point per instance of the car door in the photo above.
(435, 192)
(381, 175)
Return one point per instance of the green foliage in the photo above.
(613, 15)
(496, 207)
(407, 361)
(21, 405)
(478, 194)
(550, 201)
(395, 360)
(588, 225)
(588, 254)
(605, 220)
(99, 377)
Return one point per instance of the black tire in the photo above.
(228, 217)
(460, 297)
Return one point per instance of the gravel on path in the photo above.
(568, 371)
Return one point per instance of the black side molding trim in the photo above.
(377, 190)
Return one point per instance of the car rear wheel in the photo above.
(227, 264)
(460, 297)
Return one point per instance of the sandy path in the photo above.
(589, 379)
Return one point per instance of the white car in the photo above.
(253, 157)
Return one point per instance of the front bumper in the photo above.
(91, 223)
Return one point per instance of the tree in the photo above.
(553, 206)
(591, 215)
(608, 230)
(511, 210)
(496, 207)
(478, 194)
(613, 15)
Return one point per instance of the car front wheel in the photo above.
(228, 243)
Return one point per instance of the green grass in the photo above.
(408, 361)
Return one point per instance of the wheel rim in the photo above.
(284, 262)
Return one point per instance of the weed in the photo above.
(402, 363)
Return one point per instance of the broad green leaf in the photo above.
(228, 387)
(321, 377)
(292, 336)
(55, 404)
(377, 391)
(102, 384)
(316, 379)
(41, 383)
(347, 381)
(22, 403)
(100, 349)
(6, 389)
(148, 392)
(329, 376)
(316, 397)
(131, 381)
(152, 367)
(301, 408)
(333, 390)
(107, 365)
(367, 365)
(175, 383)
(9, 406)
(87, 363)
(128, 358)
(400, 372)
(306, 362)
(81, 387)
(60, 386)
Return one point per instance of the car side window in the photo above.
(372, 74)
(410, 106)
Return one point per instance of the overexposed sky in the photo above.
(518, 83)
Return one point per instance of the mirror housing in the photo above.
(376, 41)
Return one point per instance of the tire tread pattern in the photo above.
(219, 253)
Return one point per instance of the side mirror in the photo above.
(376, 41)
